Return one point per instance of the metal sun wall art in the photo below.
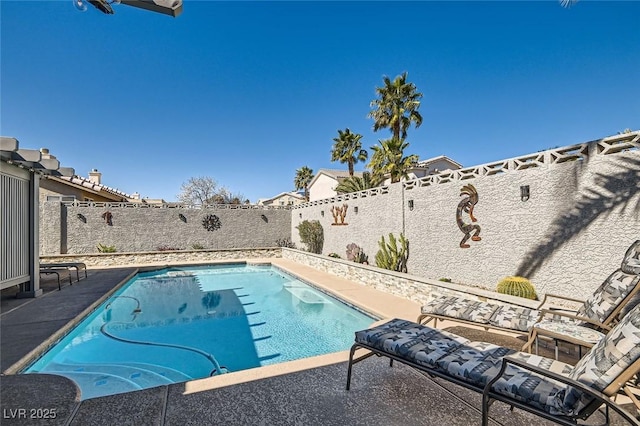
(339, 213)
(466, 205)
(211, 222)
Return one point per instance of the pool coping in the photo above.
(340, 288)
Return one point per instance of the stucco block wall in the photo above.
(146, 229)
(567, 238)
(109, 260)
(379, 213)
(582, 214)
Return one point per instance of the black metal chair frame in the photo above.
(488, 395)
(67, 265)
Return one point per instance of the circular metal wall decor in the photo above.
(211, 222)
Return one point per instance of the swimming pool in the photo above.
(183, 323)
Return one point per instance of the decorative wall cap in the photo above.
(172, 205)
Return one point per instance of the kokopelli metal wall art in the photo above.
(466, 205)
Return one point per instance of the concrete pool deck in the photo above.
(303, 392)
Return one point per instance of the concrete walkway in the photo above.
(304, 392)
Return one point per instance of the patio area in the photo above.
(308, 391)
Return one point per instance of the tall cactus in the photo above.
(517, 286)
(393, 256)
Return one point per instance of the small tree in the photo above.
(205, 190)
(312, 234)
(198, 190)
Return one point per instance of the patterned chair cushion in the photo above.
(533, 389)
(478, 362)
(571, 329)
(474, 362)
(514, 317)
(631, 260)
(607, 359)
(411, 341)
(608, 296)
(461, 308)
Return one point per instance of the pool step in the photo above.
(304, 294)
(94, 385)
(106, 379)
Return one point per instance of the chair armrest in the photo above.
(557, 296)
(599, 396)
(575, 317)
(551, 375)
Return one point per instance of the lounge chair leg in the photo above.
(351, 353)
(485, 409)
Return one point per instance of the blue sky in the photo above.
(247, 92)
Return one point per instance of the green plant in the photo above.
(285, 242)
(517, 286)
(106, 249)
(336, 255)
(197, 246)
(166, 247)
(393, 255)
(312, 234)
(445, 280)
(355, 254)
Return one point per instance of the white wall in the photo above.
(323, 187)
(567, 238)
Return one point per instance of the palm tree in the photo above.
(387, 159)
(356, 183)
(348, 149)
(396, 107)
(304, 175)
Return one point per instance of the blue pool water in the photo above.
(185, 323)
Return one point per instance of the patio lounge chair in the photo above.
(585, 327)
(68, 266)
(545, 387)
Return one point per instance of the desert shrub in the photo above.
(105, 249)
(166, 247)
(335, 255)
(285, 242)
(197, 246)
(356, 254)
(312, 235)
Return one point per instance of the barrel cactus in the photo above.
(517, 286)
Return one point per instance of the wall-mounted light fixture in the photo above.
(300, 215)
(410, 204)
(82, 217)
(524, 192)
(182, 217)
(322, 213)
(355, 209)
(265, 218)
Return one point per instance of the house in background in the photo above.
(20, 173)
(77, 188)
(283, 199)
(431, 166)
(323, 185)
